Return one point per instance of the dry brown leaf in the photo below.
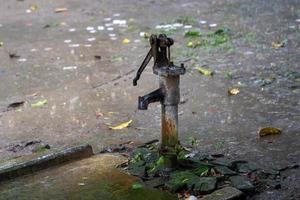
(59, 10)
(269, 131)
(233, 91)
(277, 44)
(33, 7)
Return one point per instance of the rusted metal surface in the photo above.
(169, 126)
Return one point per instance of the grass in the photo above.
(218, 40)
(186, 20)
(219, 145)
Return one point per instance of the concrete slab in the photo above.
(28, 164)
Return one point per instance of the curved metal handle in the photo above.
(142, 67)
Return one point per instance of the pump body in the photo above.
(168, 94)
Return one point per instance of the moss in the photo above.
(180, 180)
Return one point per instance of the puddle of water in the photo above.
(92, 178)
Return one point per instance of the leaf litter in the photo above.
(205, 71)
(121, 126)
(269, 131)
(39, 104)
(233, 91)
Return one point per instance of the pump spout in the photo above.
(152, 97)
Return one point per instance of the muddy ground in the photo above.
(85, 74)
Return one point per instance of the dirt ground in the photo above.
(85, 73)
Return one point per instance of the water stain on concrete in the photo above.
(92, 178)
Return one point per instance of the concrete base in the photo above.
(29, 164)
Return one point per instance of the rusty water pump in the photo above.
(168, 94)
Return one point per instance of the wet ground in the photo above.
(85, 74)
(91, 178)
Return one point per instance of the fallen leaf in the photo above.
(54, 24)
(194, 44)
(269, 131)
(233, 91)
(117, 59)
(63, 24)
(121, 126)
(59, 10)
(13, 55)
(112, 112)
(39, 103)
(126, 41)
(279, 44)
(15, 105)
(204, 71)
(81, 184)
(137, 186)
(33, 7)
(98, 57)
(189, 44)
(33, 94)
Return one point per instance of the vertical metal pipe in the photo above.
(169, 119)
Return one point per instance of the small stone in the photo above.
(206, 185)
(89, 28)
(242, 183)
(192, 197)
(100, 28)
(107, 19)
(136, 170)
(243, 166)
(181, 179)
(154, 183)
(187, 26)
(225, 171)
(67, 41)
(212, 25)
(222, 162)
(227, 193)
(72, 29)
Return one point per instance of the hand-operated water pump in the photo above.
(167, 94)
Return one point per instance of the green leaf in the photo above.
(192, 33)
(160, 161)
(204, 71)
(39, 103)
(136, 186)
(202, 170)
